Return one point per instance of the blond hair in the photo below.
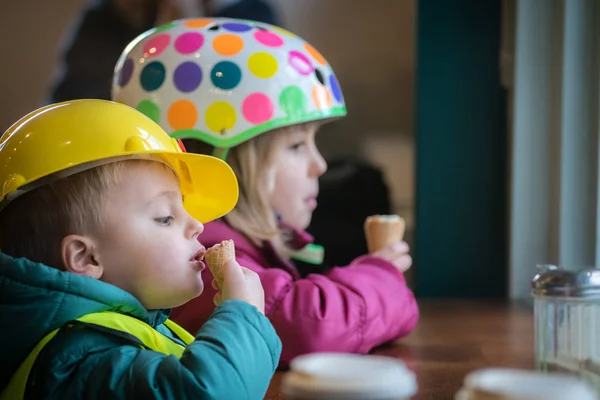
(253, 164)
(35, 223)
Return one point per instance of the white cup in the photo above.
(516, 384)
(341, 376)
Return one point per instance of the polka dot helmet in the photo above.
(224, 81)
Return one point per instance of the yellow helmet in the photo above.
(69, 137)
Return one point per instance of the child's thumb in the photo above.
(233, 274)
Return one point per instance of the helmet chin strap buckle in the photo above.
(312, 254)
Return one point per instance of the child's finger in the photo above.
(250, 275)
(215, 285)
(392, 251)
(233, 275)
(403, 262)
(217, 299)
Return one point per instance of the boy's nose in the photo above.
(195, 228)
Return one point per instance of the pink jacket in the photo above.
(346, 309)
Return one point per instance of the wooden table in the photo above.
(454, 337)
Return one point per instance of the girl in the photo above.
(255, 95)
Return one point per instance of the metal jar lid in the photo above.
(553, 281)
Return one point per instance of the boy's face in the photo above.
(298, 166)
(149, 245)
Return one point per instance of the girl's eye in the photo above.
(165, 221)
(296, 146)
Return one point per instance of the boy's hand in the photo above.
(397, 254)
(240, 283)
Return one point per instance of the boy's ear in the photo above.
(80, 257)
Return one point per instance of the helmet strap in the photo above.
(220, 152)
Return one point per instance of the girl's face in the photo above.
(297, 168)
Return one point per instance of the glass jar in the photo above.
(567, 321)
(515, 384)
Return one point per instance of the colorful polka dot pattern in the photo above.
(262, 65)
(150, 109)
(237, 27)
(153, 76)
(224, 77)
(156, 45)
(182, 114)
(257, 108)
(126, 72)
(228, 44)
(220, 116)
(189, 42)
(268, 38)
(187, 76)
(300, 63)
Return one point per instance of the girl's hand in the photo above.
(397, 254)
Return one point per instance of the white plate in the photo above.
(337, 376)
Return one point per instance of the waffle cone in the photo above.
(218, 255)
(383, 230)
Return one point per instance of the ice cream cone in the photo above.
(218, 255)
(383, 230)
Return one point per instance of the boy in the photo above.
(100, 212)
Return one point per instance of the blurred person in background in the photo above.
(103, 28)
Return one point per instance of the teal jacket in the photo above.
(234, 356)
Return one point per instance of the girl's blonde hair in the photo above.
(253, 164)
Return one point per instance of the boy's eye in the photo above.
(166, 221)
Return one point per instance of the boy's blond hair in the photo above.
(252, 162)
(35, 223)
